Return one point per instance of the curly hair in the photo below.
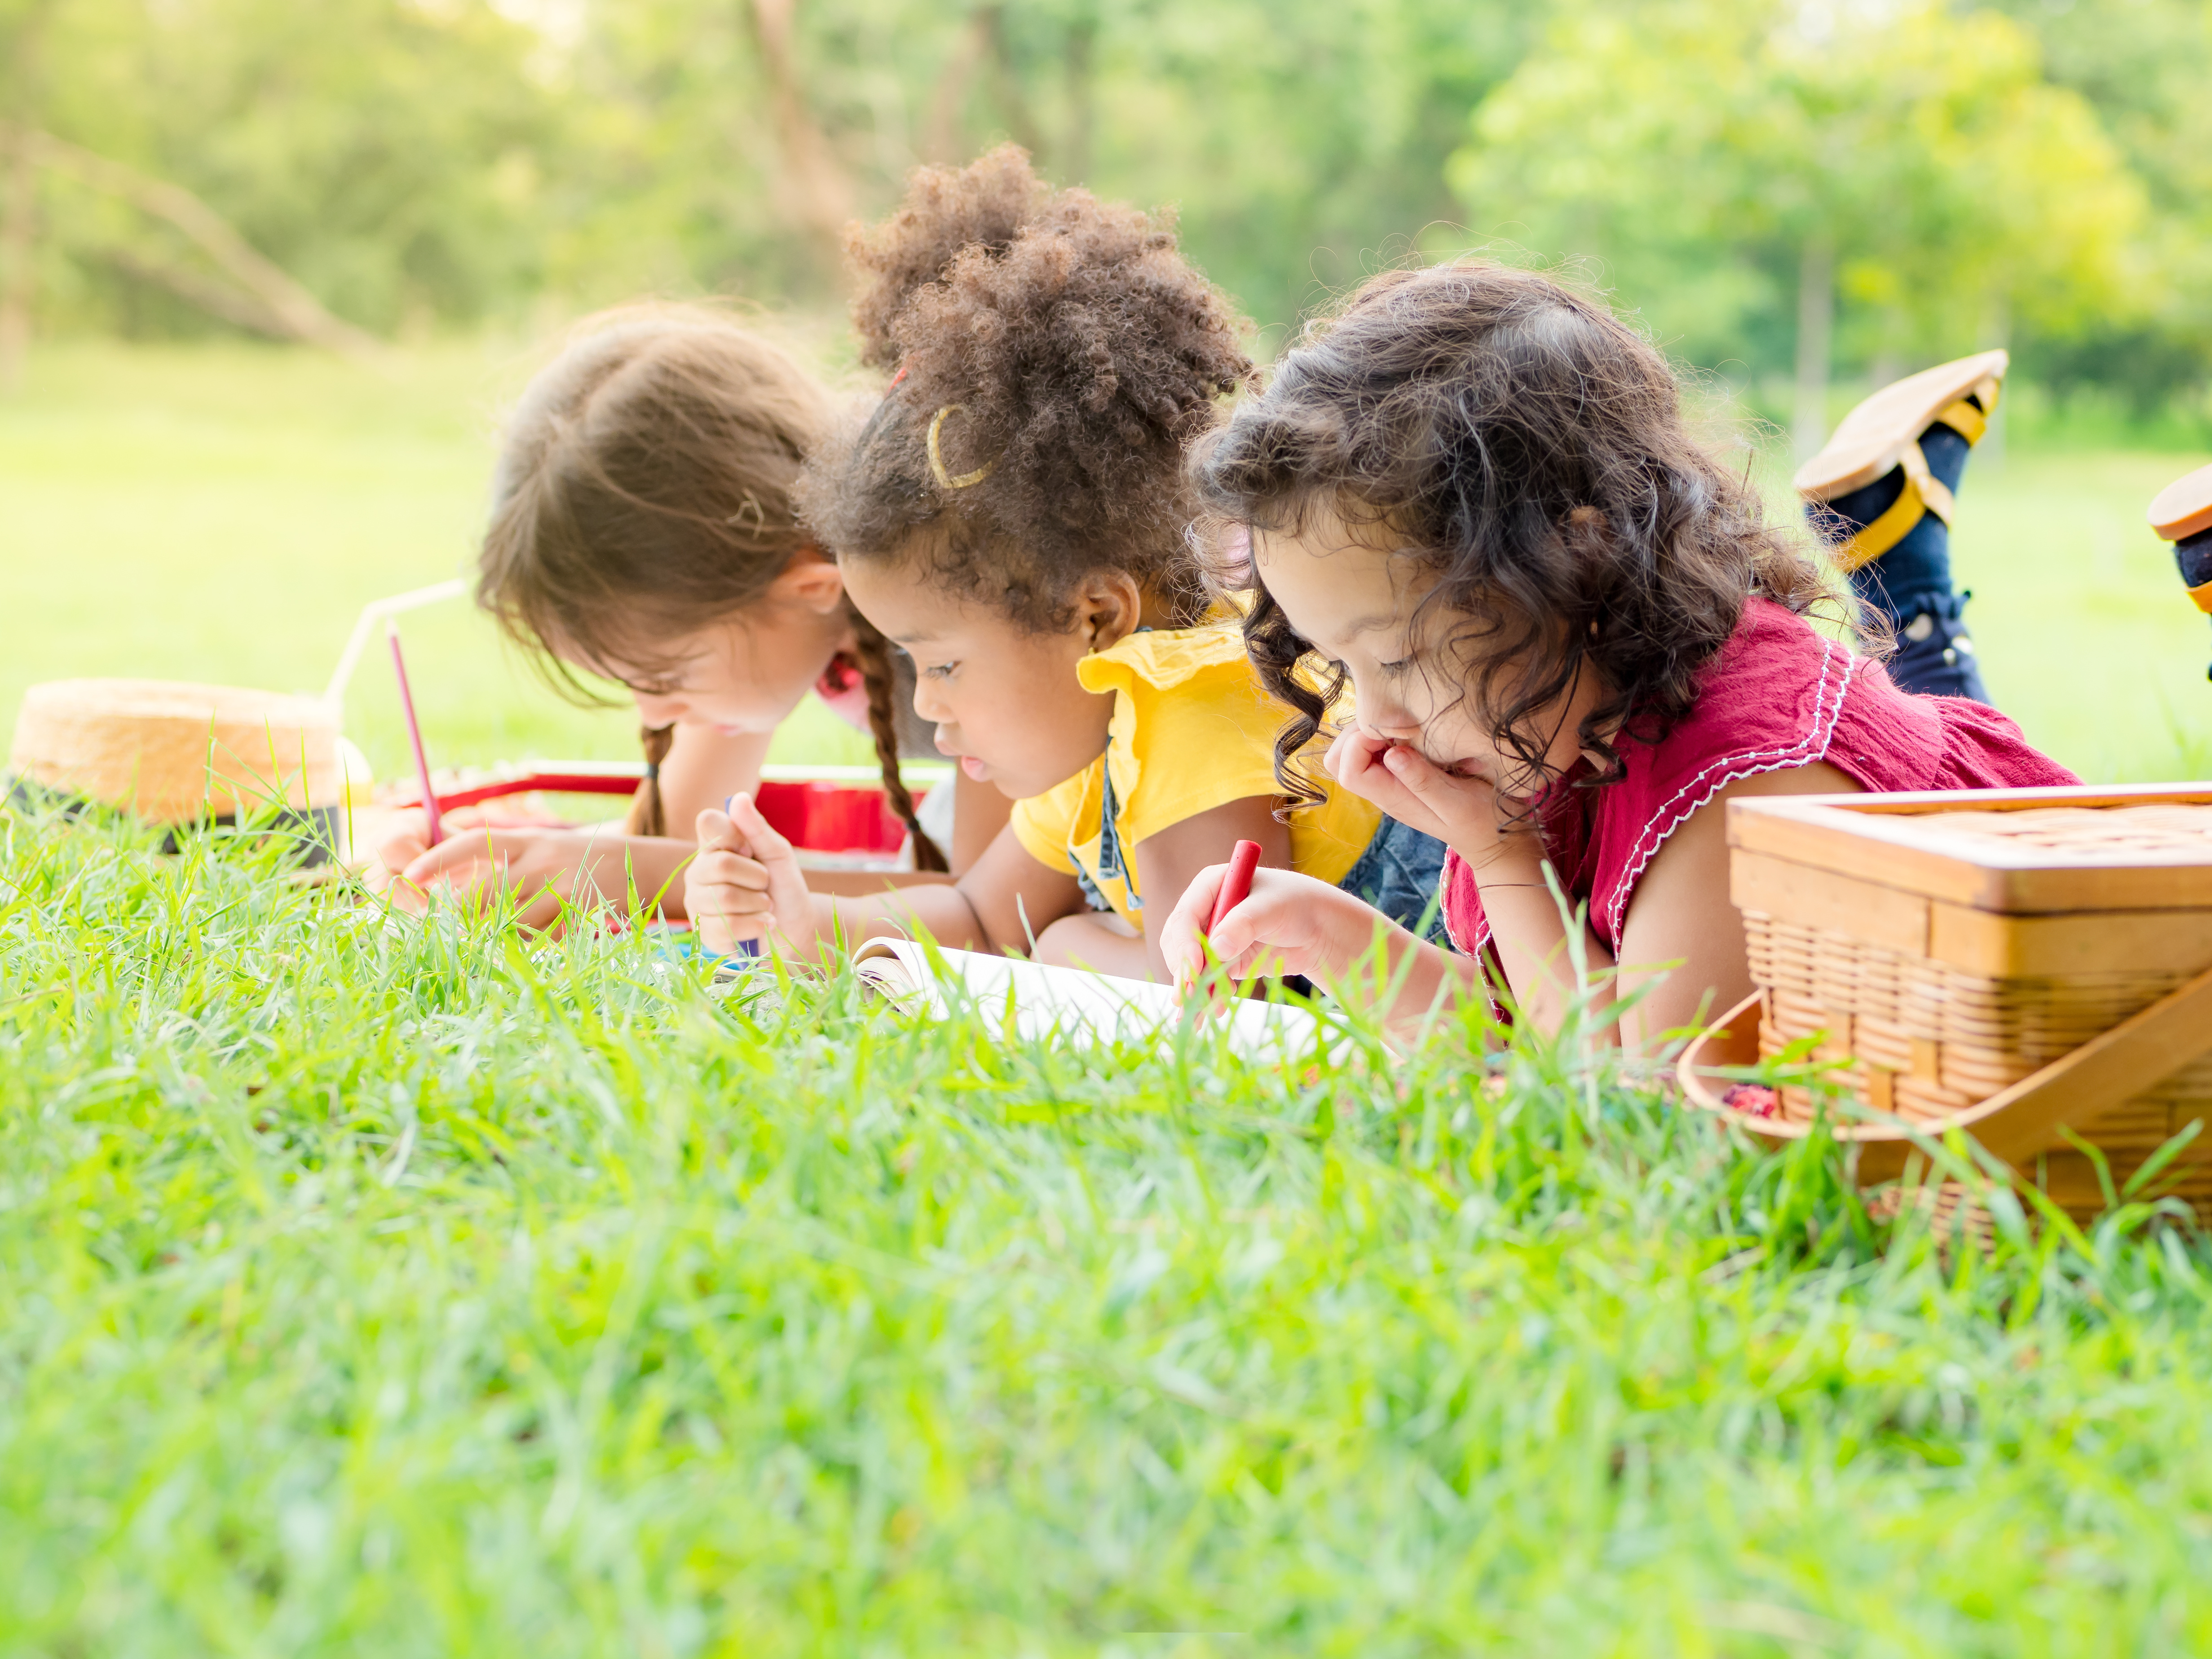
(1055, 353)
(1527, 450)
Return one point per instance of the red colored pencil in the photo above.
(1236, 885)
(415, 737)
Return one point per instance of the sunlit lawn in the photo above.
(221, 512)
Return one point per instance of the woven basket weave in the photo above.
(1950, 953)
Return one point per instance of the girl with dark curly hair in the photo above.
(1013, 517)
(643, 529)
(1573, 639)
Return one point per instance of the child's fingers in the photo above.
(406, 840)
(765, 844)
(1459, 810)
(1182, 947)
(452, 860)
(1452, 799)
(742, 848)
(1240, 942)
(1243, 932)
(1357, 763)
(718, 867)
(731, 898)
(733, 914)
(1368, 776)
(1353, 751)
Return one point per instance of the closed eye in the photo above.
(940, 671)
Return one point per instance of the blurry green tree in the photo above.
(383, 154)
(1945, 174)
(1301, 139)
(1745, 167)
(2142, 65)
(411, 159)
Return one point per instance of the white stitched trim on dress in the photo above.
(1443, 879)
(1734, 769)
(1482, 970)
(1444, 911)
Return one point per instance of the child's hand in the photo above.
(1357, 760)
(746, 884)
(1462, 812)
(544, 868)
(406, 837)
(1288, 924)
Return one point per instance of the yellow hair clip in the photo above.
(944, 479)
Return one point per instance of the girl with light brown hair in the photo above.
(643, 531)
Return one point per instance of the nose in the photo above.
(1384, 716)
(927, 704)
(658, 710)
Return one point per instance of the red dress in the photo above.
(1779, 695)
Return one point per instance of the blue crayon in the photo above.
(746, 947)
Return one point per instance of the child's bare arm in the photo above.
(1167, 862)
(746, 884)
(984, 910)
(1681, 914)
(547, 870)
(705, 768)
(1294, 924)
(980, 812)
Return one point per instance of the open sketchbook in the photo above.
(1069, 1003)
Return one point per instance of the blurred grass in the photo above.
(222, 510)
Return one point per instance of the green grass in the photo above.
(369, 1286)
(222, 512)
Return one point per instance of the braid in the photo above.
(874, 656)
(648, 816)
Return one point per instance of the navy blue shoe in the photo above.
(1881, 495)
(2182, 514)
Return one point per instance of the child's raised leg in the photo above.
(2182, 514)
(1881, 496)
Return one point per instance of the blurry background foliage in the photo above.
(1784, 190)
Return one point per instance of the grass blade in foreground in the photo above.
(376, 1286)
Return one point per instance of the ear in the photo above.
(809, 581)
(1109, 605)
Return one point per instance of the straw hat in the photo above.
(170, 750)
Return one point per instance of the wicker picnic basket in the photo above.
(2017, 964)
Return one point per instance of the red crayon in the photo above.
(1236, 885)
(415, 737)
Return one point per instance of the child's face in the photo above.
(1360, 605)
(1006, 700)
(746, 672)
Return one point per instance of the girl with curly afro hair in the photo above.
(1013, 516)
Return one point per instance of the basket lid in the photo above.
(2016, 851)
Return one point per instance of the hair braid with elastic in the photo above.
(648, 816)
(873, 652)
